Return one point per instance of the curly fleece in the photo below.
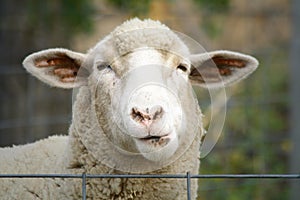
(71, 154)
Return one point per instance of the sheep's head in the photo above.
(148, 100)
(140, 78)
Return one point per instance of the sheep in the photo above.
(134, 112)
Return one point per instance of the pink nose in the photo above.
(146, 116)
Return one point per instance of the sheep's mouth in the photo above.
(154, 139)
(150, 137)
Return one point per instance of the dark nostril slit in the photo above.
(148, 114)
(139, 116)
(158, 113)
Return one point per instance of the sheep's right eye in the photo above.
(104, 66)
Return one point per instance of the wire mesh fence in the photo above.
(188, 176)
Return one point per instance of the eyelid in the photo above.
(102, 65)
(183, 67)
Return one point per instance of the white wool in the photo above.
(135, 34)
(136, 24)
(69, 154)
(91, 149)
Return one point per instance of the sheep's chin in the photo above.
(157, 150)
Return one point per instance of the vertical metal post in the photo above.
(295, 99)
(188, 185)
(83, 190)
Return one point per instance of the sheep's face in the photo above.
(151, 100)
(139, 88)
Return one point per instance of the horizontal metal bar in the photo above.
(92, 176)
(40, 175)
(202, 176)
(248, 176)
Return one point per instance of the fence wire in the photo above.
(27, 113)
(186, 176)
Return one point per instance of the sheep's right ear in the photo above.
(56, 67)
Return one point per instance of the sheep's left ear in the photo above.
(57, 67)
(218, 68)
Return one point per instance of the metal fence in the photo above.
(27, 114)
(186, 176)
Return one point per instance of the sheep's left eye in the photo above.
(182, 68)
(109, 67)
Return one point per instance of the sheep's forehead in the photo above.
(136, 34)
(146, 57)
(154, 38)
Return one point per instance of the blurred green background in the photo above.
(262, 123)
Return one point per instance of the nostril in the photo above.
(157, 112)
(147, 116)
(139, 116)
